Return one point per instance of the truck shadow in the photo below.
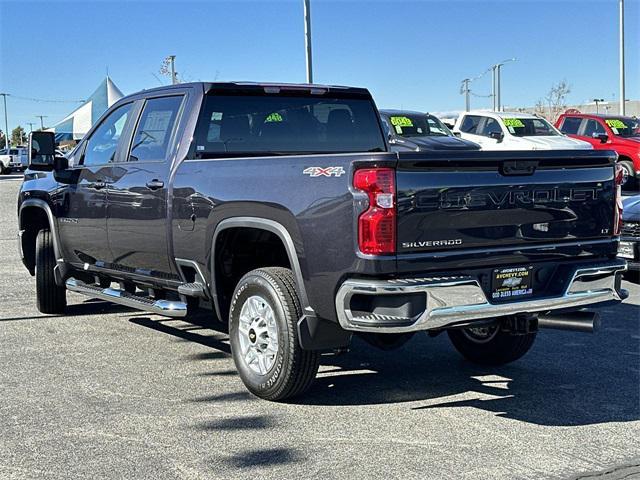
(567, 379)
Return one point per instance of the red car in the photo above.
(608, 132)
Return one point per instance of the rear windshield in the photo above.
(286, 125)
(418, 126)
(529, 127)
(624, 127)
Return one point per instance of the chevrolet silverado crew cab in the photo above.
(514, 131)
(282, 209)
(415, 131)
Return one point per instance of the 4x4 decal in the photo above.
(324, 171)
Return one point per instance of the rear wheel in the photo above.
(3, 169)
(490, 345)
(50, 297)
(264, 337)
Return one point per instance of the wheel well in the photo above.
(32, 220)
(237, 252)
(624, 158)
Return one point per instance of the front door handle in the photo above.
(155, 184)
(98, 185)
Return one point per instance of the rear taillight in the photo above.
(617, 213)
(377, 225)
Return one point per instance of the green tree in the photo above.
(2, 140)
(18, 136)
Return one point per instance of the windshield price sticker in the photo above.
(274, 117)
(513, 122)
(615, 123)
(401, 122)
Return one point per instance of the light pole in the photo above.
(307, 39)
(41, 117)
(497, 100)
(465, 90)
(622, 94)
(31, 124)
(597, 101)
(6, 122)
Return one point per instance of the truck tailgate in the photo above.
(484, 199)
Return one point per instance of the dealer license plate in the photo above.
(512, 283)
(625, 250)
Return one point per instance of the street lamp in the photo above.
(307, 40)
(598, 100)
(495, 91)
(622, 95)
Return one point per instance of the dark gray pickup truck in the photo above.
(282, 209)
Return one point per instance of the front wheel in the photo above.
(50, 297)
(490, 345)
(628, 175)
(4, 170)
(264, 337)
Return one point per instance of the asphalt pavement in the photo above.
(108, 392)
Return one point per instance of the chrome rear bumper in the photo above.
(459, 299)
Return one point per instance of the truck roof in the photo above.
(501, 115)
(597, 115)
(268, 87)
(390, 111)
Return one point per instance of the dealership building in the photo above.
(75, 125)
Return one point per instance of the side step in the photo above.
(167, 308)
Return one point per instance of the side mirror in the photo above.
(42, 153)
(457, 134)
(498, 136)
(603, 137)
(391, 139)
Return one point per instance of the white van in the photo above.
(514, 131)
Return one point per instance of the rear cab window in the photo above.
(282, 124)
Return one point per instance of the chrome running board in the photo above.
(168, 308)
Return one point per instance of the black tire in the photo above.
(293, 369)
(50, 297)
(631, 182)
(496, 347)
(4, 170)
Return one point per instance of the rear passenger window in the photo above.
(153, 133)
(570, 125)
(470, 124)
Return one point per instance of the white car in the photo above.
(514, 131)
(13, 159)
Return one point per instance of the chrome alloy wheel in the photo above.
(481, 334)
(258, 335)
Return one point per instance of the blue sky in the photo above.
(410, 54)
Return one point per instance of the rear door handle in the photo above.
(155, 184)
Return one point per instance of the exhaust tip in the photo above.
(582, 321)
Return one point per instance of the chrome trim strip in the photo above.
(161, 307)
(453, 300)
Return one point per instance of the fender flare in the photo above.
(273, 227)
(38, 203)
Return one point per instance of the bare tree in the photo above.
(556, 99)
(540, 109)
